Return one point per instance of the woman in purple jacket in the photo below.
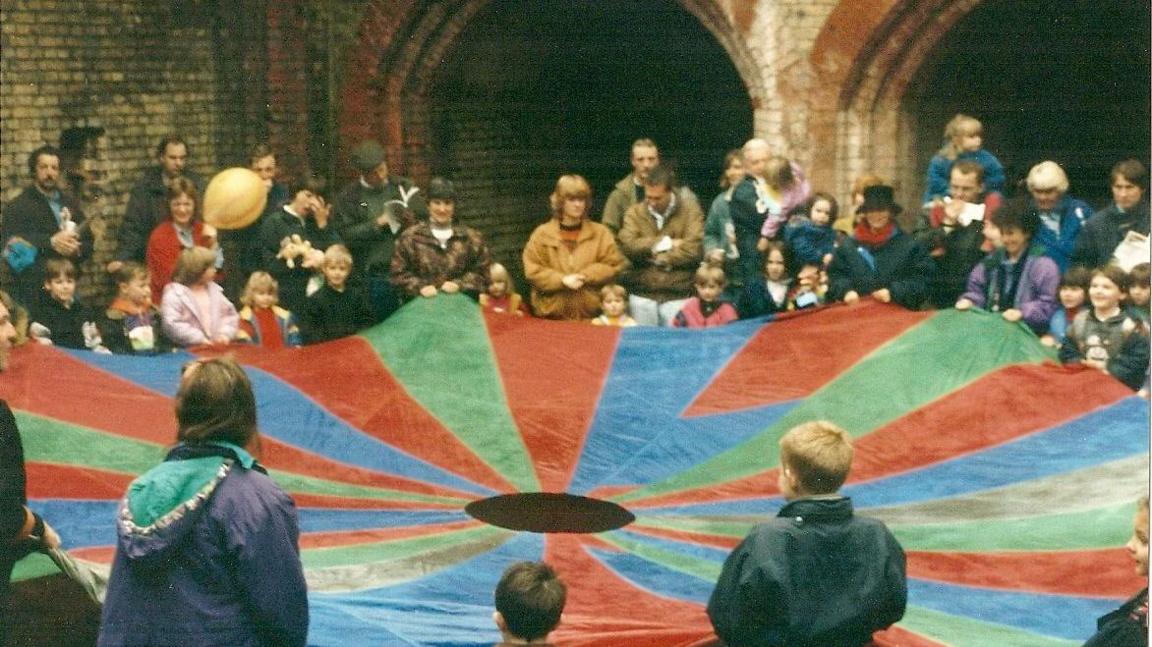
(207, 551)
(1015, 280)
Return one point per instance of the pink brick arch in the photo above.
(863, 60)
(401, 42)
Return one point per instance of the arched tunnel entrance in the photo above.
(1065, 80)
(530, 90)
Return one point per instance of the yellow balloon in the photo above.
(234, 199)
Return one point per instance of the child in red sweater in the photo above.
(262, 321)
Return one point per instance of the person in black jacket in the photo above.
(43, 222)
(21, 530)
(1127, 215)
(816, 574)
(879, 260)
(1128, 625)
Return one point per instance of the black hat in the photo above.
(441, 189)
(879, 197)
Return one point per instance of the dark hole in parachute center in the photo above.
(550, 512)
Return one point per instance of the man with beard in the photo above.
(42, 222)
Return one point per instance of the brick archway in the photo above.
(864, 58)
(401, 42)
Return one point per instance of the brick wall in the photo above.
(139, 70)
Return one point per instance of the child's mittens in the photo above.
(92, 339)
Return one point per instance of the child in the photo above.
(530, 598)
(131, 324)
(769, 294)
(614, 307)
(56, 317)
(786, 189)
(808, 290)
(195, 310)
(336, 310)
(501, 295)
(1139, 287)
(1128, 625)
(1073, 294)
(262, 321)
(812, 239)
(963, 139)
(706, 309)
(816, 574)
(1105, 336)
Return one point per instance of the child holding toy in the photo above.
(293, 240)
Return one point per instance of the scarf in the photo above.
(871, 239)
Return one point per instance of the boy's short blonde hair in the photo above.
(336, 254)
(706, 274)
(262, 282)
(819, 455)
(613, 290)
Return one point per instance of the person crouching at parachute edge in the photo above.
(787, 582)
(208, 545)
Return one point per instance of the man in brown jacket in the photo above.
(662, 237)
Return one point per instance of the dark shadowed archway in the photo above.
(1065, 80)
(531, 90)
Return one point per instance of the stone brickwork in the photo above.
(826, 83)
(138, 70)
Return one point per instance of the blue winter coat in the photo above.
(207, 555)
(815, 575)
(809, 242)
(940, 173)
(1059, 247)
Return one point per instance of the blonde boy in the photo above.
(816, 574)
(337, 309)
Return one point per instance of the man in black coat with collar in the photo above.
(42, 222)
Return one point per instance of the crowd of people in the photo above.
(768, 243)
(309, 271)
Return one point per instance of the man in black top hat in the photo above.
(369, 215)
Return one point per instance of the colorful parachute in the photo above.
(1010, 481)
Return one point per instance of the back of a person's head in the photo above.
(192, 263)
(819, 454)
(215, 403)
(530, 597)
